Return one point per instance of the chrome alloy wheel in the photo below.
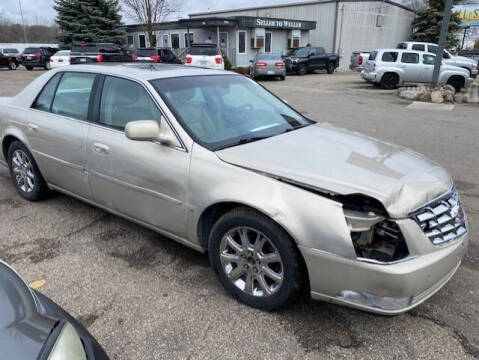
(23, 171)
(251, 261)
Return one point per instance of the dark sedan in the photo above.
(34, 327)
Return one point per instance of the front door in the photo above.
(410, 64)
(224, 40)
(145, 181)
(425, 75)
(57, 131)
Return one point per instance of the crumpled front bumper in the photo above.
(369, 76)
(386, 289)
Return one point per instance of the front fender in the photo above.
(311, 220)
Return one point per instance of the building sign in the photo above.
(469, 14)
(270, 23)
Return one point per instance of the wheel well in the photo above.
(466, 68)
(391, 73)
(211, 215)
(458, 77)
(6, 144)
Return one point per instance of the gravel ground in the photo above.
(145, 297)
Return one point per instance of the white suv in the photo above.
(205, 55)
(449, 59)
(392, 67)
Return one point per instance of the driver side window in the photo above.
(123, 101)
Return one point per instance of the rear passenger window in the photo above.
(44, 100)
(123, 101)
(73, 95)
(410, 58)
(390, 56)
(418, 47)
(373, 55)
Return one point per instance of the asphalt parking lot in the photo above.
(145, 297)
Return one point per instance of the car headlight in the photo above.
(68, 345)
(375, 238)
(474, 66)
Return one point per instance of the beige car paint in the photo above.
(168, 186)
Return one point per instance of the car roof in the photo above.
(418, 42)
(147, 71)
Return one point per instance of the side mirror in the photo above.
(142, 130)
(150, 130)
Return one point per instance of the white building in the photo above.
(340, 26)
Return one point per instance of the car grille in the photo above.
(443, 219)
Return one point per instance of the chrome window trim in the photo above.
(152, 97)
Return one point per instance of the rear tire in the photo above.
(331, 68)
(389, 81)
(457, 82)
(12, 65)
(25, 174)
(268, 251)
(29, 68)
(282, 78)
(48, 66)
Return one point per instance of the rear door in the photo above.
(409, 62)
(57, 130)
(143, 180)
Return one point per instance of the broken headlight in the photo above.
(376, 238)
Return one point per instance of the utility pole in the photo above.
(464, 36)
(442, 41)
(23, 22)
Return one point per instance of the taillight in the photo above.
(21, 55)
(189, 59)
(155, 58)
(279, 64)
(134, 57)
(70, 59)
(38, 55)
(99, 58)
(219, 60)
(261, 63)
(360, 60)
(374, 67)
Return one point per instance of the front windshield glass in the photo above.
(302, 52)
(226, 110)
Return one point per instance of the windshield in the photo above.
(269, 57)
(226, 110)
(146, 52)
(203, 50)
(302, 52)
(31, 50)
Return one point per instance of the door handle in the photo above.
(32, 127)
(101, 148)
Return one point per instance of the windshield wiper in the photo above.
(243, 140)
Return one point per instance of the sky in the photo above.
(42, 12)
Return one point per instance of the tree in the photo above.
(427, 24)
(476, 44)
(150, 12)
(89, 21)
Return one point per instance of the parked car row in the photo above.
(413, 63)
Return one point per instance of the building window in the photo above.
(165, 40)
(190, 38)
(268, 41)
(142, 41)
(130, 40)
(153, 41)
(241, 42)
(175, 41)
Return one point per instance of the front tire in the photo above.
(12, 65)
(330, 68)
(302, 69)
(255, 259)
(25, 174)
(457, 82)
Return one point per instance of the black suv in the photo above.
(8, 58)
(157, 55)
(307, 59)
(97, 52)
(33, 57)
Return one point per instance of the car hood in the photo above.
(464, 59)
(23, 331)
(328, 159)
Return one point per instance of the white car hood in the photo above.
(336, 160)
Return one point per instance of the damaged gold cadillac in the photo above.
(216, 162)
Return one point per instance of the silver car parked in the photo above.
(216, 162)
(392, 67)
(267, 65)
